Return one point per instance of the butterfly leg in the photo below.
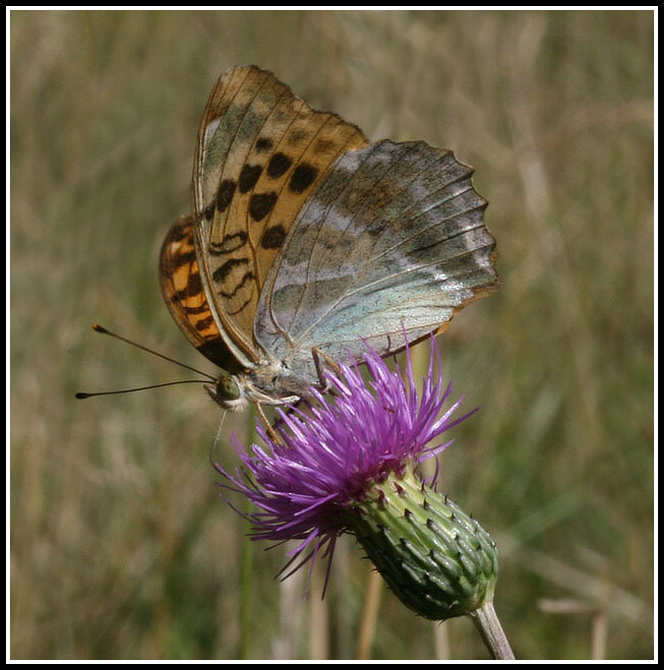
(270, 430)
(320, 357)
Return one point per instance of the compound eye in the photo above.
(227, 389)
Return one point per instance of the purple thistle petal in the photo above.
(327, 457)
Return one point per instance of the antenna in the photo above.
(100, 329)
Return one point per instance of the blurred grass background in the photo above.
(120, 546)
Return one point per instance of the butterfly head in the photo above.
(268, 384)
(227, 392)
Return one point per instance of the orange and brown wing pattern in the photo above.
(261, 153)
(183, 292)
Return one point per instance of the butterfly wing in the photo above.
(183, 293)
(261, 152)
(392, 243)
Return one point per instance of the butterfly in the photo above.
(307, 242)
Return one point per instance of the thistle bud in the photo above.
(439, 561)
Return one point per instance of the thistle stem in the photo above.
(486, 622)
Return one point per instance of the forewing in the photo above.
(261, 152)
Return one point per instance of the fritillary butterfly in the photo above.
(306, 239)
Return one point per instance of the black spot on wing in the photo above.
(231, 243)
(204, 324)
(273, 237)
(246, 277)
(208, 212)
(248, 177)
(180, 233)
(302, 178)
(221, 273)
(240, 308)
(194, 285)
(225, 194)
(180, 259)
(263, 144)
(296, 136)
(261, 204)
(278, 165)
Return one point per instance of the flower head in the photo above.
(350, 463)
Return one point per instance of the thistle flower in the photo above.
(352, 464)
